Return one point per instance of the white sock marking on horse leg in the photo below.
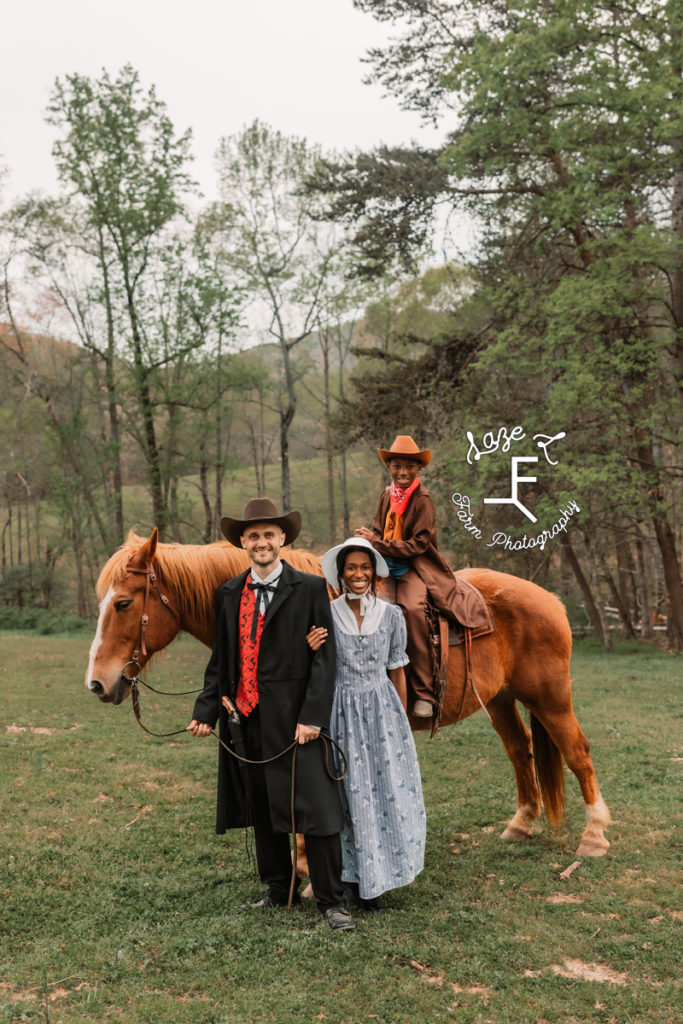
(598, 813)
(97, 639)
(593, 841)
(520, 825)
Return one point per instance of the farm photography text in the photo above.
(502, 440)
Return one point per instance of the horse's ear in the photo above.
(146, 552)
(151, 545)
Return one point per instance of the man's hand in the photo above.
(306, 733)
(363, 531)
(199, 728)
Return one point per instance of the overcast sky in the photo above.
(295, 64)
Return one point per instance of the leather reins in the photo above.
(293, 746)
(141, 650)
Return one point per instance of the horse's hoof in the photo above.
(593, 846)
(515, 832)
(308, 892)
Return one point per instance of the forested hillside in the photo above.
(163, 357)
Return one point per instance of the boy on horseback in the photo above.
(404, 533)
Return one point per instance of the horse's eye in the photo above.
(122, 604)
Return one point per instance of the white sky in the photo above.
(295, 64)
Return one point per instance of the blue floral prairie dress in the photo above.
(383, 838)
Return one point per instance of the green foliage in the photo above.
(40, 620)
(564, 142)
(412, 345)
(118, 150)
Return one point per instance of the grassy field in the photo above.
(121, 904)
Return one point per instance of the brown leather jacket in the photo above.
(450, 595)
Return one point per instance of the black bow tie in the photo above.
(263, 590)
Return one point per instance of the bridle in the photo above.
(151, 583)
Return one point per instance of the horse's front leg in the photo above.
(516, 739)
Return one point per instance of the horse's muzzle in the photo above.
(117, 695)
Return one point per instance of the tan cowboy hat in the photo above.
(261, 510)
(405, 446)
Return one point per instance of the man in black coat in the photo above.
(283, 691)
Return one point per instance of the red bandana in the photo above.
(400, 496)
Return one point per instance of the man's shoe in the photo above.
(268, 900)
(339, 919)
(422, 709)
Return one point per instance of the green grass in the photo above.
(121, 904)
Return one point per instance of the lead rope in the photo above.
(229, 707)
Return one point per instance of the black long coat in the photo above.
(295, 685)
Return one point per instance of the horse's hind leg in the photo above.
(566, 733)
(516, 739)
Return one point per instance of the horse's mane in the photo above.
(194, 571)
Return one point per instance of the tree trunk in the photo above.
(677, 207)
(626, 576)
(345, 496)
(287, 410)
(112, 396)
(286, 417)
(144, 396)
(627, 629)
(672, 577)
(332, 516)
(584, 586)
(666, 541)
(206, 500)
(646, 590)
(595, 587)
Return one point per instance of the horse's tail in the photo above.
(549, 772)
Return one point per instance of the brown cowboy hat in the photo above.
(261, 510)
(404, 447)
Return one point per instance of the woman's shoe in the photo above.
(376, 904)
(351, 898)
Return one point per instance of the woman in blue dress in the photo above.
(384, 834)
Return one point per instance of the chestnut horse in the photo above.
(149, 592)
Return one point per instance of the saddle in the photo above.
(445, 633)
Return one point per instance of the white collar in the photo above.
(372, 616)
(270, 578)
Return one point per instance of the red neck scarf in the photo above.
(400, 496)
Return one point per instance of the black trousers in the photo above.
(273, 851)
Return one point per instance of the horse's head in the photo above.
(136, 619)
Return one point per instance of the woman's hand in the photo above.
(316, 637)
